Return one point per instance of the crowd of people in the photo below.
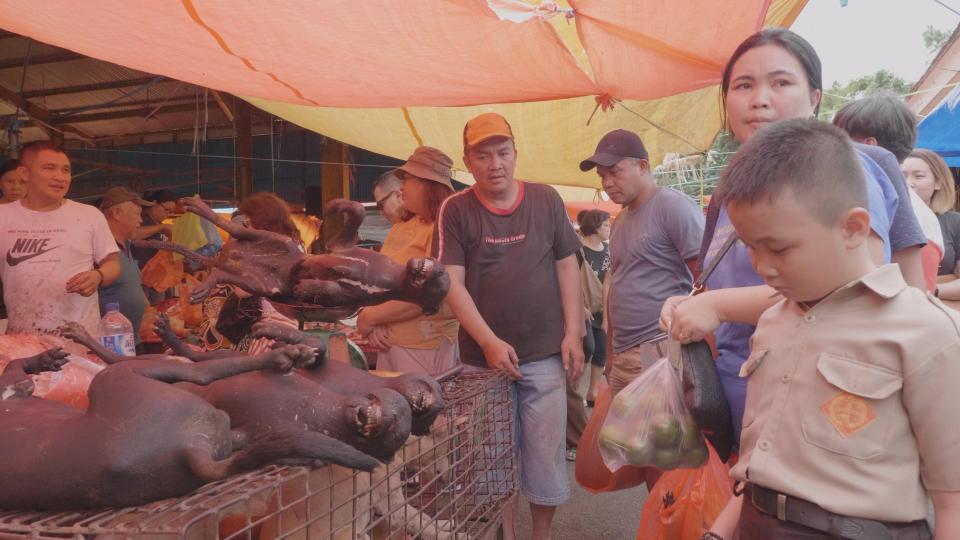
(827, 245)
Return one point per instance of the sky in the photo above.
(869, 35)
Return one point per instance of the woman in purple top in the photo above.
(773, 75)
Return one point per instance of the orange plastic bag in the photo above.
(685, 502)
(591, 473)
(162, 272)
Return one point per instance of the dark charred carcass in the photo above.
(142, 438)
(326, 286)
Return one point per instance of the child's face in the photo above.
(793, 251)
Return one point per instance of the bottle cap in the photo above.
(113, 306)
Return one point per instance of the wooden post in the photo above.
(244, 149)
(335, 181)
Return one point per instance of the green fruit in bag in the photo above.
(666, 459)
(612, 437)
(639, 452)
(666, 431)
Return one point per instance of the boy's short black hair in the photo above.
(814, 160)
(883, 116)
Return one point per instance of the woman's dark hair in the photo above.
(8, 166)
(787, 40)
(436, 194)
(592, 220)
(268, 212)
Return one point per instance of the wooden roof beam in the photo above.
(94, 87)
(40, 59)
(41, 116)
(67, 114)
(135, 112)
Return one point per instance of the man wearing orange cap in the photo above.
(510, 250)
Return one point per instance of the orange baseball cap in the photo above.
(485, 126)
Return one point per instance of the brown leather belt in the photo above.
(805, 513)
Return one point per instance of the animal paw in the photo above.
(306, 356)
(277, 332)
(74, 331)
(283, 358)
(51, 360)
(161, 324)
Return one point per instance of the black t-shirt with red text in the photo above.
(509, 257)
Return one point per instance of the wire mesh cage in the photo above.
(450, 484)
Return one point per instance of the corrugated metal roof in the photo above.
(160, 109)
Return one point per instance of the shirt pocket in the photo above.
(863, 414)
(746, 370)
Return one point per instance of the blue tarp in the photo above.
(940, 130)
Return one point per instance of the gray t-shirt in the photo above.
(648, 250)
(509, 257)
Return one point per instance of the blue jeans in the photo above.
(539, 431)
(540, 424)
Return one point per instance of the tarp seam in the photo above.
(192, 11)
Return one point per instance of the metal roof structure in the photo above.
(86, 102)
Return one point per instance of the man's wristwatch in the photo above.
(711, 536)
(97, 270)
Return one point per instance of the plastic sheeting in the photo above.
(302, 59)
(553, 136)
(940, 130)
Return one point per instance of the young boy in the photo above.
(850, 420)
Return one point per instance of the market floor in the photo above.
(606, 516)
(586, 516)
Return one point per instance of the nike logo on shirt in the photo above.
(30, 247)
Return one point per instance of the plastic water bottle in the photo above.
(116, 331)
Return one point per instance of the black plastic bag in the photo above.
(704, 397)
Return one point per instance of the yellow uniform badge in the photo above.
(848, 413)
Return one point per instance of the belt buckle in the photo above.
(781, 507)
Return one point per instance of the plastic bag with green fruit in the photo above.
(648, 425)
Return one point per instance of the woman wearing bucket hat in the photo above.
(408, 340)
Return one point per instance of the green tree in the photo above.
(933, 39)
(839, 94)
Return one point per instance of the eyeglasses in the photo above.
(382, 202)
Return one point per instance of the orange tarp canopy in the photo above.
(388, 76)
(379, 53)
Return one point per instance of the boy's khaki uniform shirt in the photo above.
(854, 403)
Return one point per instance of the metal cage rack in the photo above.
(450, 484)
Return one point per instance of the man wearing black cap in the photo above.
(653, 248)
